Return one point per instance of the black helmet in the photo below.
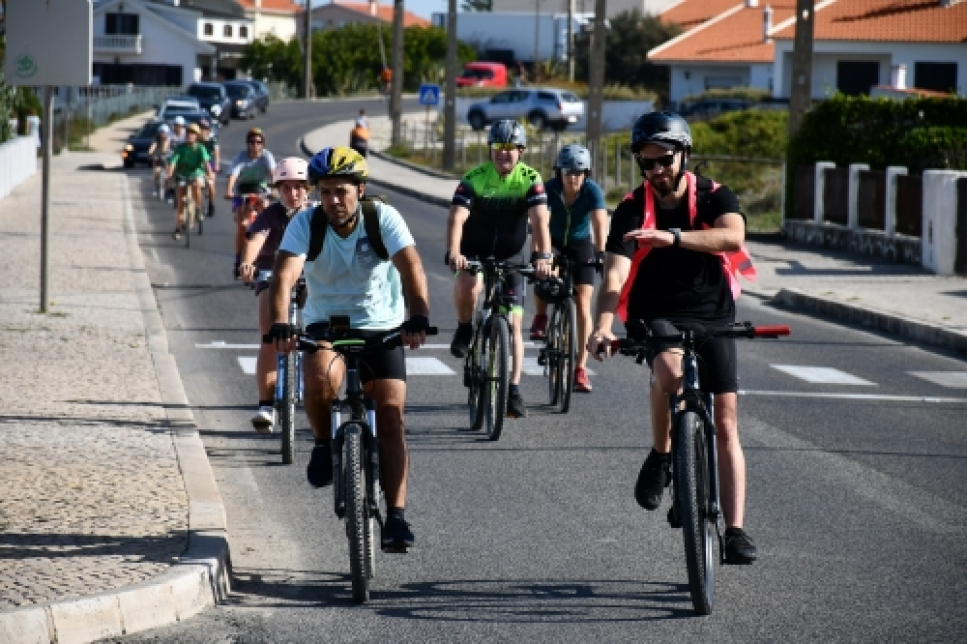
(667, 129)
(507, 131)
(550, 290)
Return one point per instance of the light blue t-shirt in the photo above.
(347, 278)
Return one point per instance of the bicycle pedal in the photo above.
(673, 519)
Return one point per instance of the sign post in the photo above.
(430, 97)
(48, 44)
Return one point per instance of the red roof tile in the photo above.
(385, 13)
(888, 20)
(691, 13)
(271, 5)
(732, 36)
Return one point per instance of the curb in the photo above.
(200, 578)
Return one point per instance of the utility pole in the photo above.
(570, 40)
(307, 52)
(396, 91)
(596, 81)
(450, 105)
(800, 98)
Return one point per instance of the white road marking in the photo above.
(427, 367)
(876, 397)
(223, 345)
(531, 368)
(248, 364)
(822, 375)
(952, 379)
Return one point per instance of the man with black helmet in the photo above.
(488, 217)
(680, 238)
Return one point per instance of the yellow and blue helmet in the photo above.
(338, 162)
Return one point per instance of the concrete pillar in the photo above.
(853, 207)
(819, 187)
(889, 200)
(938, 242)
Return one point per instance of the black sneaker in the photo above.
(654, 477)
(211, 209)
(319, 470)
(396, 534)
(461, 340)
(739, 547)
(515, 405)
(177, 234)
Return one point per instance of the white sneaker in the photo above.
(263, 420)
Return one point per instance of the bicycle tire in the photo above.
(496, 352)
(290, 384)
(200, 217)
(475, 394)
(691, 498)
(551, 348)
(189, 213)
(356, 512)
(371, 542)
(568, 350)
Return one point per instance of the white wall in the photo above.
(18, 162)
(282, 27)
(560, 6)
(827, 53)
(688, 80)
(218, 29)
(160, 45)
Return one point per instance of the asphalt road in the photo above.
(856, 495)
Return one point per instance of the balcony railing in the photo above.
(117, 43)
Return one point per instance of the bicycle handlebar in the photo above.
(737, 330)
(392, 339)
(483, 264)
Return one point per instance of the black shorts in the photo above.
(381, 363)
(579, 252)
(718, 365)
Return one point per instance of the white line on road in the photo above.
(427, 367)
(822, 375)
(876, 397)
(952, 379)
(248, 364)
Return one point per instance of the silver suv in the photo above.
(542, 108)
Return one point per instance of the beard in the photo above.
(662, 185)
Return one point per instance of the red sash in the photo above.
(734, 263)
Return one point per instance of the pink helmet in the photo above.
(291, 169)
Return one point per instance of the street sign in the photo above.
(49, 43)
(429, 95)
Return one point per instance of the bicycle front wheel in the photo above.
(356, 524)
(475, 381)
(290, 384)
(567, 341)
(552, 350)
(690, 476)
(496, 366)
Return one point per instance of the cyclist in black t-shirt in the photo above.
(674, 236)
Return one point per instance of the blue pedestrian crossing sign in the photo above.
(429, 95)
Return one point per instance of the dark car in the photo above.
(136, 148)
(212, 98)
(261, 94)
(243, 98)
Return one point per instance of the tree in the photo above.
(477, 5)
(630, 38)
(274, 59)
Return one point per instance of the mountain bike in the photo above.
(694, 461)
(289, 382)
(486, 369)
(355, 447)
(559, 352)
(192, 214)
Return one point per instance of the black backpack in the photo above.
(320, 225)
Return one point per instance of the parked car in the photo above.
(242, 96)
(261, 94)
(136, 148)
(483, 75)
(213, 98)
(710, 108)
(541, 107)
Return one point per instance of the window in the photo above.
(940, 77)
(121, 24)
(208, 29)
(855, 78)
(722, 82)
(243, 32)
(227, 31)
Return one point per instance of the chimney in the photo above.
(751, 4)
(898, 76)
(766, 23)
(372, 8)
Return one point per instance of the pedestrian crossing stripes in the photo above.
(421, 366)
(822, 375)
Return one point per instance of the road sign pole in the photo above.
(48, 125)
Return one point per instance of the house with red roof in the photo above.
(279, 18)
(339, 14)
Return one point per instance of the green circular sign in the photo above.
(26, 66)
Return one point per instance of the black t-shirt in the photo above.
(675, 284)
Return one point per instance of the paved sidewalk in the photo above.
(110, 522)
(898, 299)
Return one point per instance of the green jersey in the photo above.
(191, 161)
(498, 208)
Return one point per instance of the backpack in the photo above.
(320, 225)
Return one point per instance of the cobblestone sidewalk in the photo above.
(94, 498)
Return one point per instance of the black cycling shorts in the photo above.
(718, 365)
(581, 252)
(381, 363)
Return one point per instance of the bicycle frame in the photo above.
(293, 320)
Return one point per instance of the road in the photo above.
(857, 482)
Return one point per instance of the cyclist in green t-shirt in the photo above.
(210, 141)
(488, 217)
(189, 162)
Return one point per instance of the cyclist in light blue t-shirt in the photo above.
(348, 277)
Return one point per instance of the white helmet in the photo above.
(164, 129)
(179, 120)
(291, 169)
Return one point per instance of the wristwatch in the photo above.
(677, 233)
(545, 256)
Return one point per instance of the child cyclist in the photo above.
(291, 180)
(190, 162)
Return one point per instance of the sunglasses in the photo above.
(255, 141)
(504, 147)
(665, 161)
(574, 173)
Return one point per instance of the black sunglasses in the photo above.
(647, 164)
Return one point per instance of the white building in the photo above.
(581, 6)
(279, 18)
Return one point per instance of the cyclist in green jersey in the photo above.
(190, 162)
(210, 141)
(488, 217)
